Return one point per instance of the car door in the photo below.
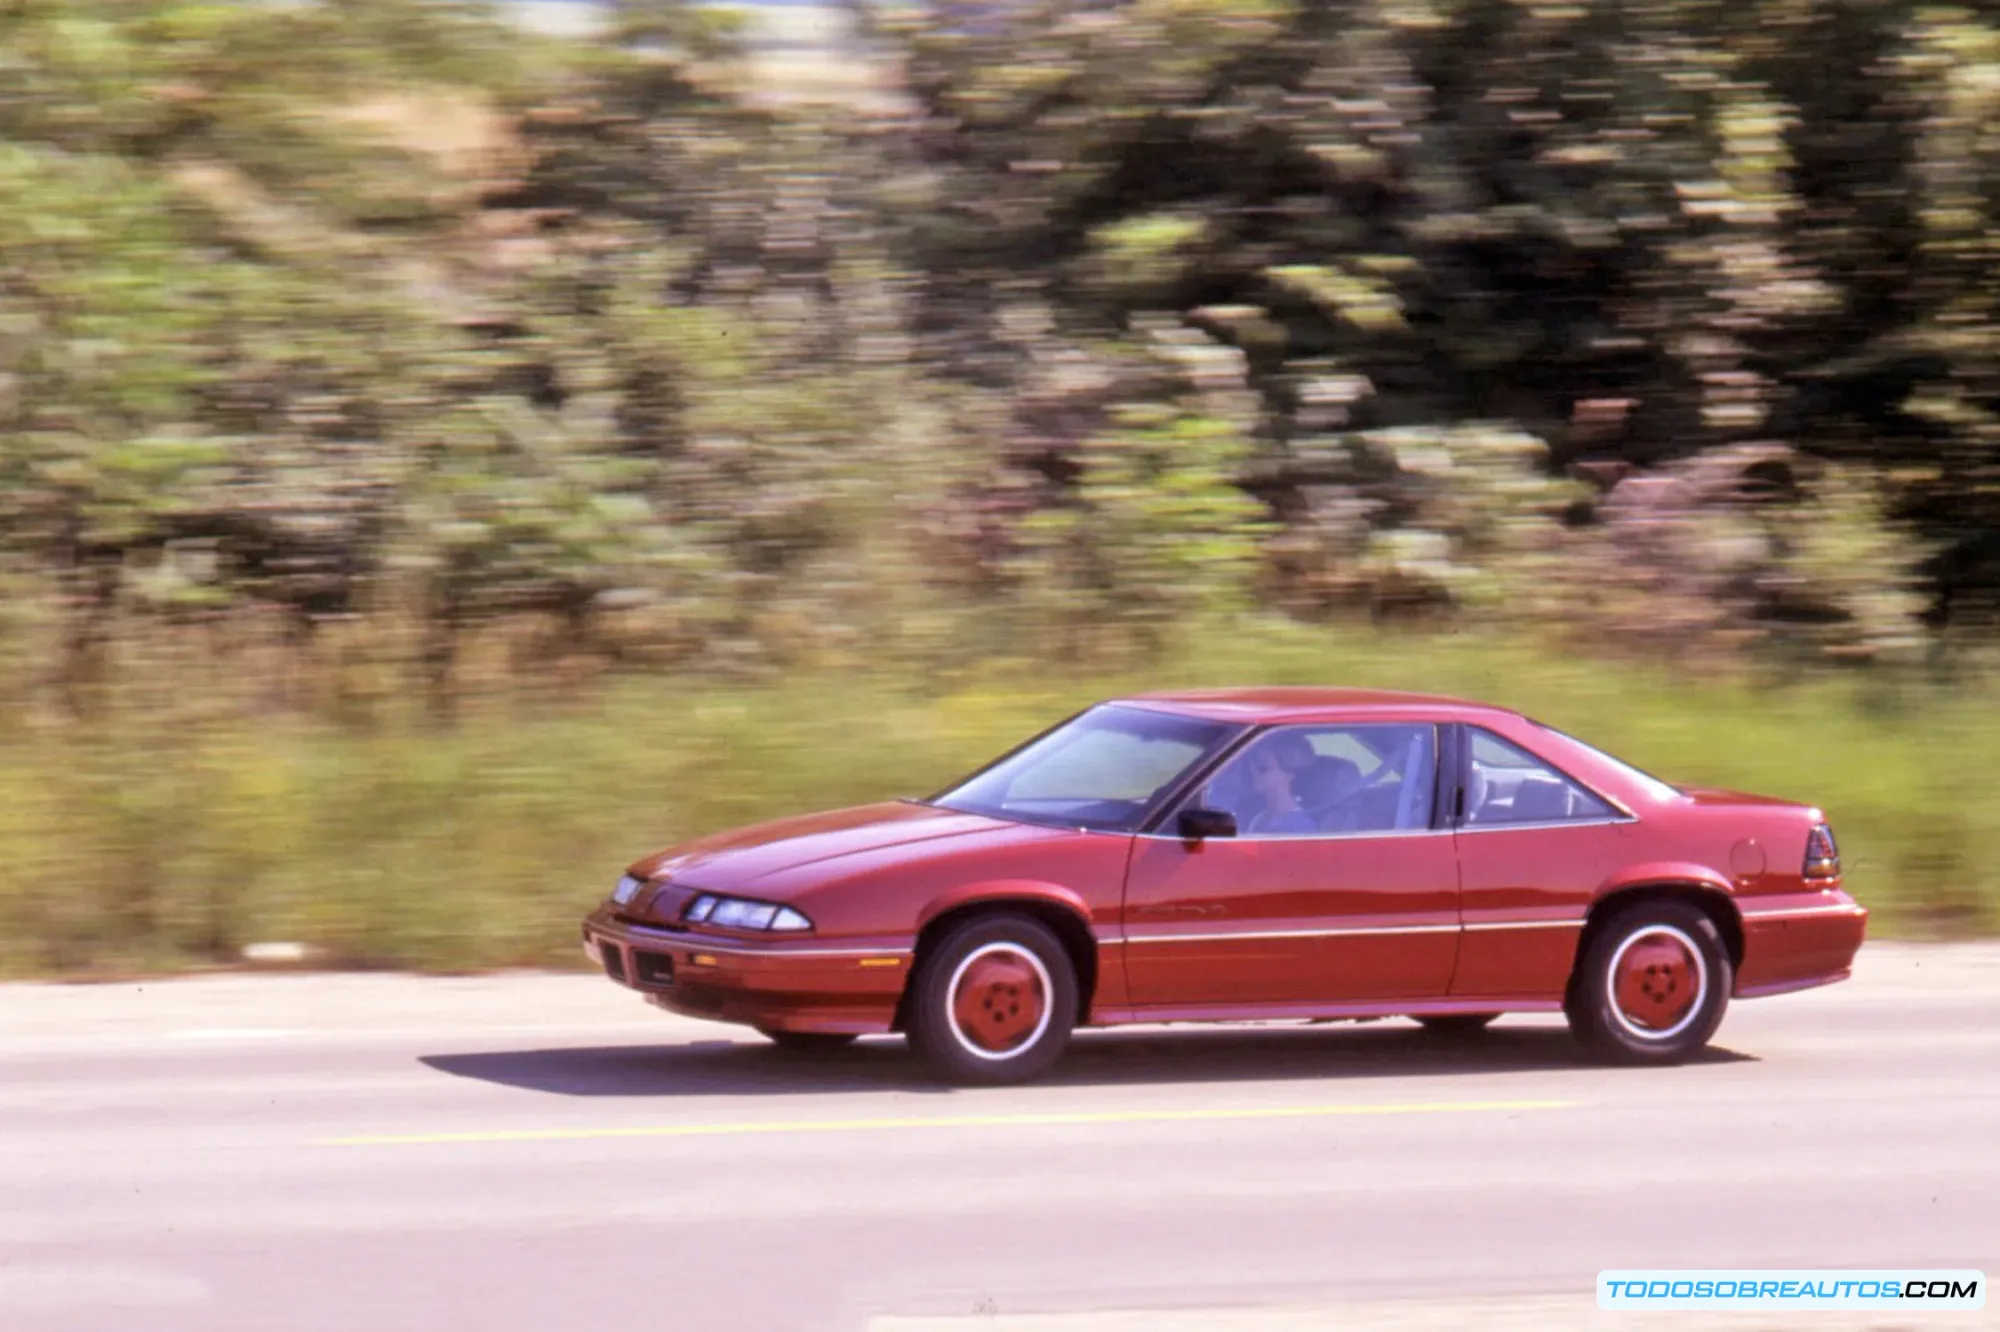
(1533, 843)
(1350, 897)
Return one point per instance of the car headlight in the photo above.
(740, 913)
(628, 888)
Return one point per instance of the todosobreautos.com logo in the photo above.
(1902, 1289)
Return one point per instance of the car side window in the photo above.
(1317, 780)
(1506, 784)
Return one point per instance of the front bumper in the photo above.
(788, 985)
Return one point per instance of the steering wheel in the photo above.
(1348, 803)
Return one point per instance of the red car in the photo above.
(1254, 854)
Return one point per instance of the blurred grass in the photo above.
(146, 847)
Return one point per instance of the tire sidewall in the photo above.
(1594, 1014)
(931, 1028)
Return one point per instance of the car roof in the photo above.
(1296, 703)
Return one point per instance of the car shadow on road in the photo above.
(1094, 1059)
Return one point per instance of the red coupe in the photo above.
(1255, 854)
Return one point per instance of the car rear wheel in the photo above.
(1457, 1024)
(994, 1002)
(808, 1042)
(1652, 986)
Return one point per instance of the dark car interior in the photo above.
(1355, 781)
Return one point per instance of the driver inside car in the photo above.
(1273, 764)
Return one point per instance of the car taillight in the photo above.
(1822, 856)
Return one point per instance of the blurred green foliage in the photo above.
(369, 367)
(172, 845)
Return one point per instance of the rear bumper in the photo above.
(788, 985)
(1795, 943)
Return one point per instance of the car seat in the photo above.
(1540, 800)
(1318, 787)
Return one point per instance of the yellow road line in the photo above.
(1021, 1120)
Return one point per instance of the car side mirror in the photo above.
(1199, 823)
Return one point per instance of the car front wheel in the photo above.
(994, 1002)
(1652, 985)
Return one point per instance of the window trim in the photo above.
(1377, 833)
(1448, 802)
(1621, 812)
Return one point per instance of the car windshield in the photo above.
(1105, 770)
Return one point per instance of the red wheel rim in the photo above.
(999, 1000)
(1658, 978)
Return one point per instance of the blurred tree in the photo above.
(1637, 232)
(1673, 322)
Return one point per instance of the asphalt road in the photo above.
(374, 1154)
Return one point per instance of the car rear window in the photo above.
(1653, 786)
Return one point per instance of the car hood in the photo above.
(732, 861)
